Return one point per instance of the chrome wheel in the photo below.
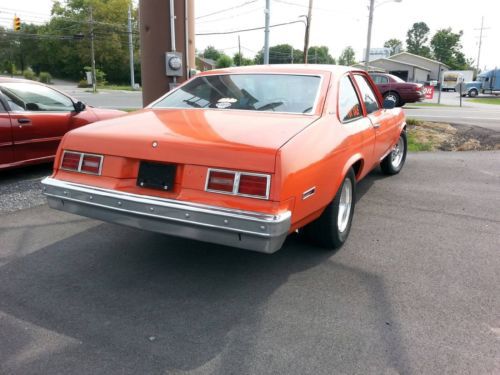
(397, 153)
(345, 204)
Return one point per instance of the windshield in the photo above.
(253, 92)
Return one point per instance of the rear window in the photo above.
(252, 92)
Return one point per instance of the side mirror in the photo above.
(79, 107)
(32, 107)
(389, 103)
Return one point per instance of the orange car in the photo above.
(240, 157)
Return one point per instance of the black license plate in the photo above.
(156, 176)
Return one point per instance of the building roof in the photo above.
(207, 61)
(402, 63)
(371, 68)
(394, 57)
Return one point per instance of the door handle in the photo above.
(376, 125)
(24, 122)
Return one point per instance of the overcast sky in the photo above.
(335, 23)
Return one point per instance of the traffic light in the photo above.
(17, 23)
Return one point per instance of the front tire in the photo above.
(393, 163)
(473, 93)
(332, 228)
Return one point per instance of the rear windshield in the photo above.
(252, 92)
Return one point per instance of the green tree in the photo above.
(211, 53)
(347, 57)
(446, 47)
(395, 45)
(240, 60)
(281, 54)
(319, 55)
(224, 61)
(416, 39)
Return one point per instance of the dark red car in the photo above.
(34, 118)
(395, 88)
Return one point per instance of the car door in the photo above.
(6, 143)
(350, 113)
(383, 122)
(40, 117)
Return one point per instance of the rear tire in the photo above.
(473, 93)
(393, 163)
(393, 95)
(332, 228)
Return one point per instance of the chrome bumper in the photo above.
(243, 229)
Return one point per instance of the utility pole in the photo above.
(239, 51)
(369, 34)
(291, 54)
(480, 41)
(131, 49)
(308, 26)
(267, 13)
(92, 52)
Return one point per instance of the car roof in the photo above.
(284, 68)
(17, 80)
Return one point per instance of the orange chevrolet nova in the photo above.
(240, 157)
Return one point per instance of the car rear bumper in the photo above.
(242, 229)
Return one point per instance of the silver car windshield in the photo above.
(254, 92)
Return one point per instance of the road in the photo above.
(471, 113)
(413, 291)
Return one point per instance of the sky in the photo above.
(335, 23)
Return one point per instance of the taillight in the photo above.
(254, 185)
(91, 164)
(81, 162)
(221, 181)
(71, 160)
(238, 183)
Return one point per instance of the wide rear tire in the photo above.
(332, 228)
(393, 163)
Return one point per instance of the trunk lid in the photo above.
(245, 140)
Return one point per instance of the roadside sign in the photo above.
(429, 92)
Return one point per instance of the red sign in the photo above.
(429, 92)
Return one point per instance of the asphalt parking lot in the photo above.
(414, 290)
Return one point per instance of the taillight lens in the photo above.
(221, 181)
(238, 183)
(81, 162)
(255, 185)
(91, 164)
(71, 160)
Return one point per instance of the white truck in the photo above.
(451, 78)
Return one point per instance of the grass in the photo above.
(116, 87)
(427, 104)
(494, 101)
(414, 145)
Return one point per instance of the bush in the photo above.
(100, 76)
(45, 77)
(29, 74)
(224, 62)
(83, 84)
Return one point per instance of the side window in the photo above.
(369, 97)
(377, 79)
(383, 79)
(32, 97)
(349, 106)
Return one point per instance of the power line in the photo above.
(229, 17)
(251, 29)
(227, 9)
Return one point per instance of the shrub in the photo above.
(83, 84)
(45, 77)
(29, 74)
(100, 76)
(224, 62)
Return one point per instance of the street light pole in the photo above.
(369, 34)
(92, 51)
